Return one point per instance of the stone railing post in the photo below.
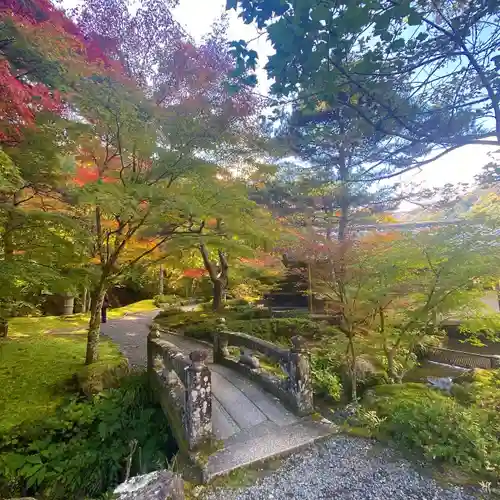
(495, 362)
(198, 400)
(299, 370)
(153, 334)
(220, 341)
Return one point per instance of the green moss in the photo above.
(350, 430)
(272, 367)
(36, 374)
(317, 417)
(41, 356)
(246, 476)
(105, 374)
(206, 449)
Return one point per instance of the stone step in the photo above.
(264, 442)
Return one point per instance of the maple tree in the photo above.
(38, 250)
(396, 288)
(149, 169)
(42, 54)
(143, 143)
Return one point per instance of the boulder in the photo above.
(367, 375)
(158, 485)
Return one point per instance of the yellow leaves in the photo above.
(322, 106)
(387, 219)
(354, 99)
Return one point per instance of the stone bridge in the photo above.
(237, 402)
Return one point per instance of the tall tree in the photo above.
(442, 56)
(343, 160)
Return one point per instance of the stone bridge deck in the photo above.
(252, 424)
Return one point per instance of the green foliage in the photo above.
(82, 450)
(480, 388)
(326, 382)
(279, 330)
(166, 300)
(344, 51)
(36, 371)
(426, 421)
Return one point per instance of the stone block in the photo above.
(158, 485)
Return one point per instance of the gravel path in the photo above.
(344, 468)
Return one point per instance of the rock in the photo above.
(158, 485)
(346, 414)
(441, 383)
(367, 375)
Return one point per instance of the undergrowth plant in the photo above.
(87, 447)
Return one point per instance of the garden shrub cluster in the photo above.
(326, 381)
(82, 450)
(166, 300)
(201, 324)
(439, 427)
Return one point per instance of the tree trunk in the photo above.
(94, 326)
(393, 376)
(161, 278)
(218, 295)
(218, 276)
(389, 354)
(84, 300)
(354, 378)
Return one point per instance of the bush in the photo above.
(249, 312)
(434, 424)
(274, 329)
(326, 382)
(170, 312)
(166, 300)
(200, 324)
(82, 450)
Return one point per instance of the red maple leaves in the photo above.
(194, 272)
(86, 175)
(20, 101)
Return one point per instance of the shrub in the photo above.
(201, 324)
(169, 312)
(435, 425)
(166, 300)
(249, 312)
(82, 450)
(326, 382)
(273, 329)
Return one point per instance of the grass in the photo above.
(39, 359)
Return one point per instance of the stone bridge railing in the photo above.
(294, 389)
(183, 386)
(463, 359)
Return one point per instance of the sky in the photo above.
(460, 165)
(197, 17)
